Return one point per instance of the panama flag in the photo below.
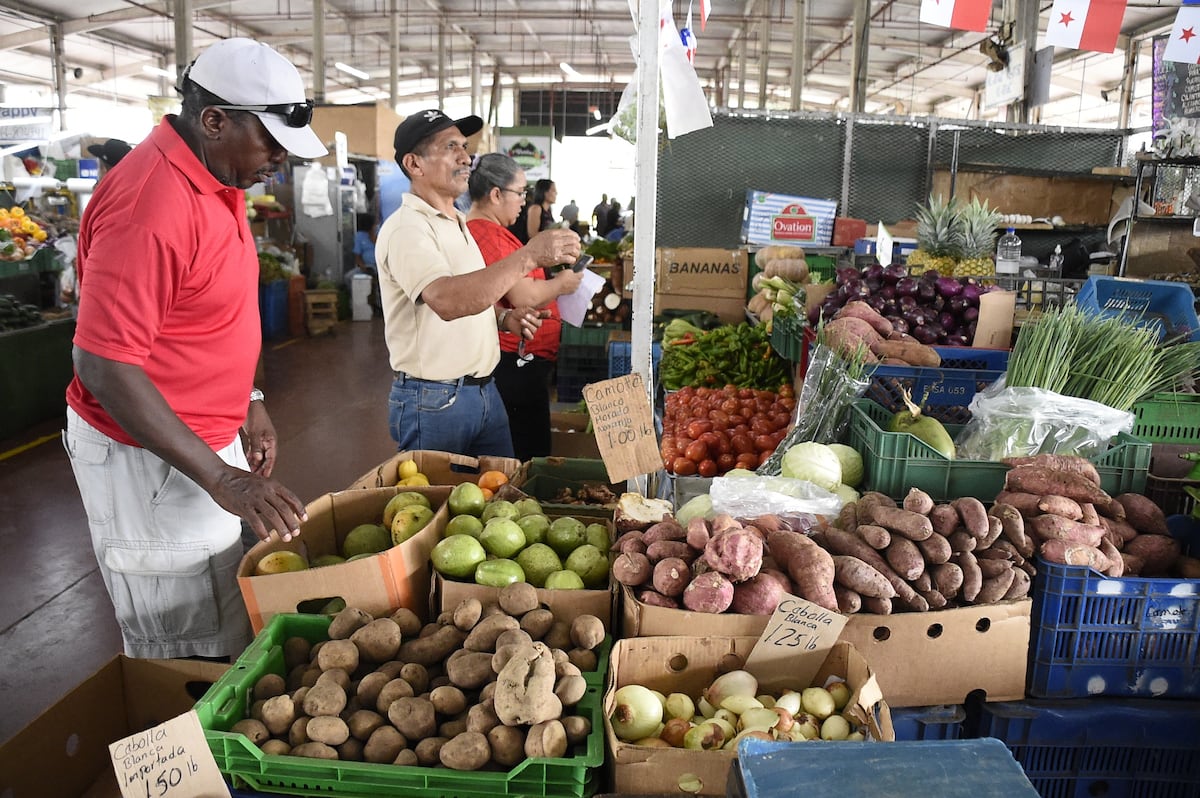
(1085, 24)
(957, 14)
(1184, 44)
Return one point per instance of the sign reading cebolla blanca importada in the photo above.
(624, 426)
(786, 219)
(529, 147)
(170, 760)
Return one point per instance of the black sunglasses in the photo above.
(294, 114)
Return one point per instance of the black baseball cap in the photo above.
(423, 124)
(111, 151)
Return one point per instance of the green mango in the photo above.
(926, 429)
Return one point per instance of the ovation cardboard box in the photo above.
(442, 468)
(919, 658)
(397, 577)
(690, 664)
(63, 753)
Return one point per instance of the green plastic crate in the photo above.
(577, 776)
(893, 462)
(595, 335)
(544, 477)
(1168, 418)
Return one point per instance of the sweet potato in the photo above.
(655, 599)
(844, 336)
(666, 529)
(1043, 481)
(861, 578)
(995, 527)
(1121, 527)
(1133, 563)
(1058, 462)
(947, 579)
(918, 501)
(1025, 503)
(904, 556)
(1142, 514)
(913, 353)
(1111, 509)
(1090, 516)
(809, 566)
(1020, 585)
(632, 535)
(843, 542)
(923, 582)
(1005, 546)
(698, 533)
(913, 526)
(879, 499)
(878, 606)
(994, 587)
(1054, 527)
(671, 576)
(962, 540)
(1186, 567)
(735, 552)
(1116, 565)
(758, 595)
(875, 536)
(709, 592)
(935, 549)
(1158, 552)
(661, 549)
(1060, 506)
(633, 569)
(944, 519)
(847, 516)
(849, 602)
(973, 516)
(991, 568)
(1013, 527)
(935, 599)
(972, 577)
(861, 310)
(1061, 551)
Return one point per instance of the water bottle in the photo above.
(1008, 260)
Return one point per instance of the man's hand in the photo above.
(567, 281)
(259, 440)
(554, 247)
(262, 502)
(525, 321)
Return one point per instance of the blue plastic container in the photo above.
(1102, 747)
(620, 358)
(945, 392)
(929, 723)
(273, 309)
(1166, 307)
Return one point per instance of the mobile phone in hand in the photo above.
(583, 262)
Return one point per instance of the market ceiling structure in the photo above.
(752, 53)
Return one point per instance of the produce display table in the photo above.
(35, 368)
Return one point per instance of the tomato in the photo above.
(711, 440)
(726, 461)
(748, 461)
(668, 448)
(697, 451)
(746, 393)
(683, 467)
(719, 418)
(781, 420)
(681, 443)
(787, 403)
(762, 458)
(736, 419)
(729, 405)
(764, 443)
(787, 392)
(741, 429)
(685, 392)
(741, 443)
(697, 428)
(703, 392)
(723, 443)
(707, 468)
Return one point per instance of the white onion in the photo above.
(636, 713)
(731, 684)
(680, 705)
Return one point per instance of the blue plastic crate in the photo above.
(929, 723)
(620, 358)
(944, 392)
(1133, 636)
(273, 309)
(1166, 307)
(1102, 747)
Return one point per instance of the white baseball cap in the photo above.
(250, 76)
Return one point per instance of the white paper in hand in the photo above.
(573, 307)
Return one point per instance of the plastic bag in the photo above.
(754, 495)
(1015, 422)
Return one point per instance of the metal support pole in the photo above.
(60, 73)
(799, 52)
(318, 51)
(858, 56)
(183, 36)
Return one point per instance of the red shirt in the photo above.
(168, 280)
(497, 243)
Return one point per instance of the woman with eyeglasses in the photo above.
(523, 376)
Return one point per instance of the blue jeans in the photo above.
(445, 417)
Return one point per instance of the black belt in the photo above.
(400, 375)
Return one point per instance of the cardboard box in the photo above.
(730, 310)
(398, 577)
(63, 753)
(569, 438)
(703, 271)
(787, 219)
(688, 665)
(919, 658)
(565, 604)
(442, 468)
(846, 231)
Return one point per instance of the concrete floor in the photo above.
(328, 400)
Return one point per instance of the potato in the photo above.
(295, 677)
(378, 641)
(491, 608)
(583, 659)
(525, 688)
(518, 598)
(383, 745)
(546, 739)
(505, 653)
(341, 654)
(482, 717)
(448, 700)
(327, 729)
(407, 757)
(507, 744)
(413, 717)
(296, 652)
(563, 667)
(510, 637)
(416, 675)
(407, 620)
(577, 728)
(351, 750)
(255, 730)
(363, 722)
(299, 732)
(256, 709)
(324, 699)
(429, 751)
(467, 613)
(558, 636)
(347, 622)
(391, 692)
(488, 691)
(369, 687)
(452, 728)
(335, 676)
(434, 648)
(313, 750)
(278, 713)
(269, 685)
(570, 690)
(467, 751)
(537, 622)
(275, 747)
(483, 636)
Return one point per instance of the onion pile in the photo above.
(932, 308)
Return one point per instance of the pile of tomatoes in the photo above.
(709, 431)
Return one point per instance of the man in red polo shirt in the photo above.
(166, 344)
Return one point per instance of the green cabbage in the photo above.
(813, 462)
(852, 464)
(697, 506)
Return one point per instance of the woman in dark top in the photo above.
(536, 216)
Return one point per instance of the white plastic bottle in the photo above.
(1008, 260)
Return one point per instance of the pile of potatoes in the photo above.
(484, 686)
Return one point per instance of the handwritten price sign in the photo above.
(170, 760)
(624, 423)
(794, 643)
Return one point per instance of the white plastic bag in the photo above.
(754, 495)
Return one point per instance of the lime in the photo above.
(502, 537)
(591, 564)
(498, 573)
(500, 508)
(528, 506)
(463, 525)
(597, 535)
(466, 499)
(535, 528)
(565, 535)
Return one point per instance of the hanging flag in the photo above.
(1085, 24)
(704, 11)
(688, 38)
(957, 14)
(1184, 44)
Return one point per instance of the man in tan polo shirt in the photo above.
(439, 302)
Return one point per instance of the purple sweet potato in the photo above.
(843, 542)
(661, 549)
(935, 549)
(849, 602)
(736, 552)
(809, 566)
(759, 595)
(671, 576)
(905, 557)
(698, 533)
(875, 536)
(634, 535)
(1143, 515)
(666, 529)
(1158, 552)
(1043, 481)
(861, 578)
(1020, 585)
(899, 521)
(655, 599)
(708, 592)
(1055, 527)
(1061, 506)
(944, 519)
(918, 501)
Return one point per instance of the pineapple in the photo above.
(978, 240)
(939, 237)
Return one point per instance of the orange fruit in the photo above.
(487, 494)
(492, 480)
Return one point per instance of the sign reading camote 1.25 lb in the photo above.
(624, 425)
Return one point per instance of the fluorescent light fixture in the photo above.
(570, 70)
(601, 128)
(349, 70)
(596, 113)
(162, 73)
